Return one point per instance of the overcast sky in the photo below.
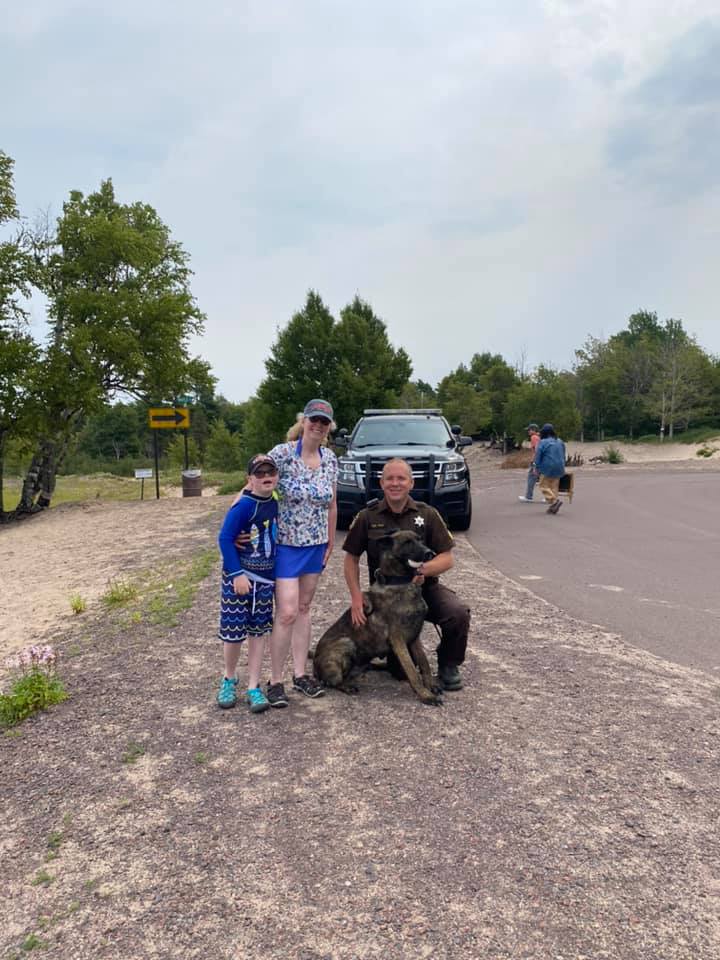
(505, 177)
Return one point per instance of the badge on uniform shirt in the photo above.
(419, 521)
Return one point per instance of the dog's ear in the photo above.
(385, 543)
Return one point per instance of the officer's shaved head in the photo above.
(396, 462)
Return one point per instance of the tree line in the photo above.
(116, 286)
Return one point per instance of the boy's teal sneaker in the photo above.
(227, 694)
(257, 701)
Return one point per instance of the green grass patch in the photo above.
(166, 601)
(99, 486)
(161, 595)
(42, 877)
(119, 592)
(55, 840)
(30, 693)
(31, 942)
(134, 752)
(77, 604)
(108, 486)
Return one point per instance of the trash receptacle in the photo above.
(192, 483)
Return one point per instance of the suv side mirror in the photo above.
(341, 440)
(464, 441)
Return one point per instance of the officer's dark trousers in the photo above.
(452, 617)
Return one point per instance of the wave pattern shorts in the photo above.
(247, 616)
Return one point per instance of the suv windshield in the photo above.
(400, 432)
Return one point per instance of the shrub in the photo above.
(36, 688)
(77, 604)
(223, 450)
(612, 454)
(233, 484)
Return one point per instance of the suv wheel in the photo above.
(463, 522)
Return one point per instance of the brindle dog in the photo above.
(395, 612)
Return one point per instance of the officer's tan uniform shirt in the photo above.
(378, 521)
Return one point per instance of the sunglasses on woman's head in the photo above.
(322, 420)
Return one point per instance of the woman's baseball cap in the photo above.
(319, 408)
(260, 460)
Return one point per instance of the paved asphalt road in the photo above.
(637, 552)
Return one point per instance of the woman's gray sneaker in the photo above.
(276, 695)
(308, 686)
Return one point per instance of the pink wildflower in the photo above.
(40, 656)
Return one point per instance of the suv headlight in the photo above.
(454, 472)
(348, 473)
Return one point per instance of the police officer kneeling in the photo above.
(398, 511)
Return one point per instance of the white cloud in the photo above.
(468, 169)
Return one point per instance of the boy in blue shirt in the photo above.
(248, 581)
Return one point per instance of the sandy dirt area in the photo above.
(562, 806)
(81, 549)
(648, 453)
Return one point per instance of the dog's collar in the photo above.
(389, 581)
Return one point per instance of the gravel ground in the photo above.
(563, 805)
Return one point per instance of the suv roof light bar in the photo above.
(429, 411)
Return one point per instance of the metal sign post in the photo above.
(143, 475)
(167, 418)
(157, 467)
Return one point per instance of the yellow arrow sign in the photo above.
(168, 418)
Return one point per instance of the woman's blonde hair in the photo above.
(296, 430)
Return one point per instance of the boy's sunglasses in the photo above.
(322, 420)
(265, 472)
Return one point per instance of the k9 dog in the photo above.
(395, 612)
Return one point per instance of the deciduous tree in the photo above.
(121, 314)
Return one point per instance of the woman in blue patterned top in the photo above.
(307, 518)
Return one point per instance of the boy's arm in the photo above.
(235, 521)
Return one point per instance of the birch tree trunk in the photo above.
(39, 484)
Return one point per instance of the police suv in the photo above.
(421, 437)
